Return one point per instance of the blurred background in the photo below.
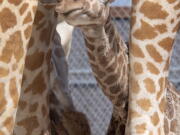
(86, 95)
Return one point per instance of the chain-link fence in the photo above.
(87, 96)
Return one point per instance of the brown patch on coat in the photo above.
(153, 10)
(8, 19)
(145, 104)
(145, 32)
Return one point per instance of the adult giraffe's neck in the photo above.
(152, 36)
(109, 62)
(36, 76)
(15, 31)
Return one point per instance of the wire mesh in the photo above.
(86, 95)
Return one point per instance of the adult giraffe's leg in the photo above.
(33, 112)
(154, 26)
(16, 19)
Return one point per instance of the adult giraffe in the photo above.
(15, 31)
(153, 29)
(16, 26)
(33, 109)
